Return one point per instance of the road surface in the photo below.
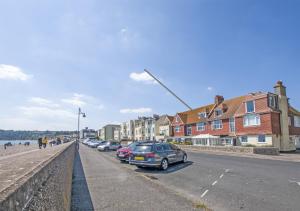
(222, 182)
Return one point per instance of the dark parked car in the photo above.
(157, 155)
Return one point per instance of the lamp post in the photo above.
(78, 132)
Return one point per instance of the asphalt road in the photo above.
(225, 182)
(100, 183)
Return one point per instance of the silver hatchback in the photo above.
(157, 155)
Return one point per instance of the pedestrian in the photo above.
(45, 142)
(4, 146)
(40, 142)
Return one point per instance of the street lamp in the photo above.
(83, 115)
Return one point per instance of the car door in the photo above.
(171, 154)
(178, 152)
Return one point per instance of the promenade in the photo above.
(19, 162)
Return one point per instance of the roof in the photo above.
(192, 116)
(229, 107)
(293, 111)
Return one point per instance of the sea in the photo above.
(16, 142)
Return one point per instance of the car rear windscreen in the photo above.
(143, 148)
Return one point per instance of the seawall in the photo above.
(47, 186)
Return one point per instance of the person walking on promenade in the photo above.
(40, 140)
(45, 142)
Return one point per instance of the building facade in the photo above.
(163, 127)
(117, 134)
(88, 133)
(254, 119)
(108, 132)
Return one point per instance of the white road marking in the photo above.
(227, 170)
(298, 183)
(221, 176)
(215, 182)
(203, 194)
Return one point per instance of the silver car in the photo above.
(109, 145)
(157, 155)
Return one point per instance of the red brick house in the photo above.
(256, 118)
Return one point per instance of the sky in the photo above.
(59, 55)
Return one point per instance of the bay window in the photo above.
(251, 120)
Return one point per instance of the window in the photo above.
(297, 121)
(189, 130)
(244, 139)
(273, 101)
(261, 138)
(201, 126)
(159, 148)
(290, 121)
(251, 120)
(232, 125)
(218, 112)
(177, 119)
(250, 107)
(166, 147)
(177, 129)
(173, 147)
(202, 115)
(217, 124)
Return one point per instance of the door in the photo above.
(178, 152)
(170, 153)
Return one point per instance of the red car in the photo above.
(124, 153)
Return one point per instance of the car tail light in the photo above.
(150, 155)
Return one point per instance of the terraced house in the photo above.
(256, 118)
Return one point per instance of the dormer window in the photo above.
(273, 101)
(218, 112)
(250, 106)
(202, 115)
(177, 119)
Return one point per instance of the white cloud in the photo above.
(142, 77)
(46, 112)
(100, 107)
(42, 102)
(210, 88)
(75, 100)
(10, 72)
(135, 110)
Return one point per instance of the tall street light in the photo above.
(83, 115)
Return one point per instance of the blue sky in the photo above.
(57, 55)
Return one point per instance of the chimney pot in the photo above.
(219, 99)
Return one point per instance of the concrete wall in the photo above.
(47, 188)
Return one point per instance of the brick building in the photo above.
(256, 118)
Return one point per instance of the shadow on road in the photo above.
(81, 198)
(172, 168)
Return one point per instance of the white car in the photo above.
(109, 145)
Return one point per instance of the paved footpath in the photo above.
(101, 184)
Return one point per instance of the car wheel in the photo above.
(184, 158)
(164, 164)
(106, 149)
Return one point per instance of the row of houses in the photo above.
(258, 118)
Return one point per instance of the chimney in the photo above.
(219, 99)
(280, 89)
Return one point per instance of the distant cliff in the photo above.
(31, 135)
